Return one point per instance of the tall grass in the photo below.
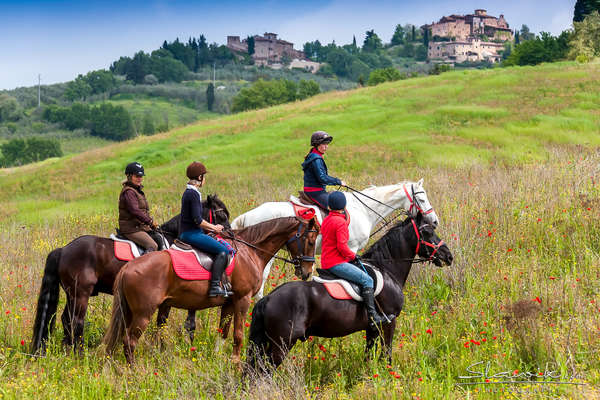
(519, 211)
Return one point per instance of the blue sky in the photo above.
(61, 39)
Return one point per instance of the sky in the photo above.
(61, 39)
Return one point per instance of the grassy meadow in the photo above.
(510, 162)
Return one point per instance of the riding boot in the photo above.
(219, 265)
(368, 297)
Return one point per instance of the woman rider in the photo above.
(135, 222)
(192, 226)
(336, 255)
(315, 170)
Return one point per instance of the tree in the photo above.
(545, 48)
(384, 75)
(250, 41)
(100, 81)
(426, 37)
(308, 88)
(421, 53)
(414, 34)
(78, 89)
(20, 151)
(408, 50)
(372, 42)
(210, 96)
(111, 122)
(585, 7)
(585, 41)
(526, 34)
(398, 37)
(139, 67)
(9, 108)
(517, 37)
(148, 125)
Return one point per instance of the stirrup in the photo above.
(217, 290)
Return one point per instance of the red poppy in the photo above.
(193, 348)
(429, 331)
(537, 299)
(247, 324)
(22, 342)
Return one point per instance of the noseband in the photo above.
(435, 247)
(297, 238)
(414, 202)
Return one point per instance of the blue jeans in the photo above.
(320, 197)
(353, 274)
(202, 241)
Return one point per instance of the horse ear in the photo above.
(209, 200)
(420, 183)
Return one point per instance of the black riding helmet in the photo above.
(320, 137)
(134, 168)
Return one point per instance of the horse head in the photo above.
(218, 212)
(419, 202)
(430, 246)
(302, 248)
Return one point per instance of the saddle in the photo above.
(305, 199)
(190, 263)
(125, 249)
(344, 290)
(306, 211)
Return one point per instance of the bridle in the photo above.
(299, 259)
(414, 201)
(421, 241)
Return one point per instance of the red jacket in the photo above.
(334, 244)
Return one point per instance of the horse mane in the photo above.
(382, 251)
(260, 232)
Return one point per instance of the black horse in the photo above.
(296, 310)
(88, 266)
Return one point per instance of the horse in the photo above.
(366, 209)
(296, 310)
(88, 266)
(148, 282)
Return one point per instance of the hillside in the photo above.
(457, 119)
(510, 162)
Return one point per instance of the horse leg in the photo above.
(373, 334)
(224, 324)
(67, 321)
(190, 324)
(240, 311)
(132, 335)
(387, 338)
(79, 311)
(161, 322)
(265, 276)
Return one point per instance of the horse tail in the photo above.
(120, 313)
(45, 314)
(258, 340)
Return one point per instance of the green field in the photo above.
(510, 162)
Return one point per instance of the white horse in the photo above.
(364, 212)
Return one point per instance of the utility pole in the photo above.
(39, 91)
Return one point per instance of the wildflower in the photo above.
(537, 299)
(552, 277)
(509, 249)
(515, 372)
(433, 313)
(22, 342)
(247, 324)
(420, 379)
(429, 331)
(375, 375)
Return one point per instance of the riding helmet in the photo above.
(320, 137)
(336, 201)
(195, 169)
(134, 168)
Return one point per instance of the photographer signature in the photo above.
(549, 376)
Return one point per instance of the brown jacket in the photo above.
(134, 213)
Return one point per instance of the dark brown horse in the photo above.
(87, 266)
(296, 310)
(148, 282)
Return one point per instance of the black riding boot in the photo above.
(368, 297)
(219, 265)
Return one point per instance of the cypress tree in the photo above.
(210, 96)
(585, 7)
(414, 34)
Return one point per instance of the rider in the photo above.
(315, 170)
(192, 225)
(135, 222)
(336, 255)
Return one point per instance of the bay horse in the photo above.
(296, 310)
(88, 266)
(366, 208)
(148, 282)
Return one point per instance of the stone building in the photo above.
(471, 37)
(267, 49)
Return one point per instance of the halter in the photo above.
(414, 201)
(435, 247)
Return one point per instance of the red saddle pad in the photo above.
(337, 291)
(123, 251)
(187, 267)
(303, 212)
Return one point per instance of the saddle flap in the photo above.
(344, 290)
(203, 259)
(306, 210)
